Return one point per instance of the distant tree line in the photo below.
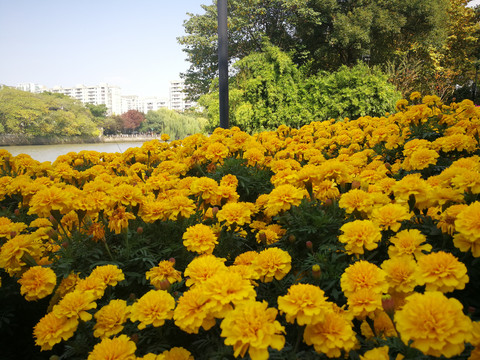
(51, 114)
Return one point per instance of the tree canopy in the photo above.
(326, 34)
(43, 114)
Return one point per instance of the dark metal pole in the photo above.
(474, 87)
(223, 62)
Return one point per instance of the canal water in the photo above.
(51, 152)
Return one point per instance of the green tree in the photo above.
(269, 90)
(44, 114)
(176, 125)
(323, 34)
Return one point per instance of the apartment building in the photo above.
(110, 95)
(178, 98)
(31, 87)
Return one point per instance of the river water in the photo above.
(51, 152)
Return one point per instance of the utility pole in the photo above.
(223, 62)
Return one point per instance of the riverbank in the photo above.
(20, 140)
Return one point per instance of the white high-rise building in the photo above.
(143, 104)
(96, 95)
(31, 87)
(178, 98)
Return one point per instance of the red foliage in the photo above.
(132, 119)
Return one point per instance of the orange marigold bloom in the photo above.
(96, 231)
(203, 267)
(412, 184)
(305, 303)
(110, 318)
(180, 205)
(164, 271)
(92, 284)
(401, 273)
(359, 235)
(363, 274)
(51, 330)
(176, 353)
(326, 189)
(200, 238)
(194, 311)
(331, 336)
(252, 326)
(152, 211)
(433, 324)
(282, 198)
(238, 213)
(272, 263)
(118, 348)
(216, 152)
(153, 308)
(441, 271)
(408, 242)
(206, 188)
(446, 221)
(467, 225)
(254, 156)
(37, 282)
(76, 305)
(118, 221)
(246, 258)
(390, 216)
(420, 159)
(7, 227)
(109, 274)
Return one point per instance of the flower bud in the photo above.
(316, 271)
(134, 338)
(355, 184)
(140, 230)
(172, 260)
(388, 304)
(214, 210)
(309, 245)
(291, 239)
(16, 212)
(164, 284)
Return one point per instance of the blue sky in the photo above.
(131, 44)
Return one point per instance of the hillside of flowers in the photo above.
(357, 239)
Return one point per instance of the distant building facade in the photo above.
(110, 95)
(178, 97)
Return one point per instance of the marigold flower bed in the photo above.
(354, 239)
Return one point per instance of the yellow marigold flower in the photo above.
(282, 198)
(305, 303)
(364, 302)
(206, 188)
(412, 184)
(216, 152)
(152, 211)
(420, 159)
(14, 252)
(267, 236)
(95, 285)
(408, 242)
(76, 305)
(126, 194)
(415, 95)
(441, 271)
(66, 285)
(272, 263)
(48, 199)
(51, 330)
(203, 267)
(229, 180)
(433, 324)
(110, 274)
(376, 354)
(326, 189)
(110, 318)
(390, 216)
(7, 227)
(467, 225)
(154, 308)
(200, 238)
(246, 258)
(238, 213)
(446, 221)
(356, 199)
(227, 288)
(176, 353)
(382, 324)
(37, 282)
(336, 170)
(252, 326)
(118, 348)
(331, 336)
(401, 105)
(118, 221)
(180, 205)
(96, 231)
(401, 273)
(359, 235)
(363, 274)
(194, 311)
(254, 156)
(164, 271)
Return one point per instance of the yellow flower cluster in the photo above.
(386, 184)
